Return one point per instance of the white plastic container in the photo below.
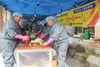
(33, 57)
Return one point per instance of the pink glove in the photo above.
(38, 33)
(35, 30)
(41, 36)
(45, 44)
(26, 38)
(50, 40)
(25, 33)
(18, 36)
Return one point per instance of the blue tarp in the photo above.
(41, 7)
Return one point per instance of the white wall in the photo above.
(8, 15)
(4, 16)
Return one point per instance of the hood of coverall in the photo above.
(17, 16)
(43, 21)
(51, 18)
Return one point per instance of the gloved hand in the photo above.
(18, 36)
(41, 36)
(26, 38)
(24, 33)
(38, 33)
(35, 30)
(50, 40)
(45, 44)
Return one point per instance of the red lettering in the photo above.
(73, 18)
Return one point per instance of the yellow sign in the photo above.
(86, 15)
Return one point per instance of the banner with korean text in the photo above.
(86, 15)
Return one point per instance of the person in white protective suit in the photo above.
(22, 26)
(43, 28)
(10, 34)
(59, 35)
(40, 28)
(45, 33)
(37, 28)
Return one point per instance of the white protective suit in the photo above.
(59, 34)
(8, 42)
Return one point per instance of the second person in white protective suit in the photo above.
(45, 33)
(59, 35)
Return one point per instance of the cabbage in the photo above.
(37, 40)
(32, 35)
